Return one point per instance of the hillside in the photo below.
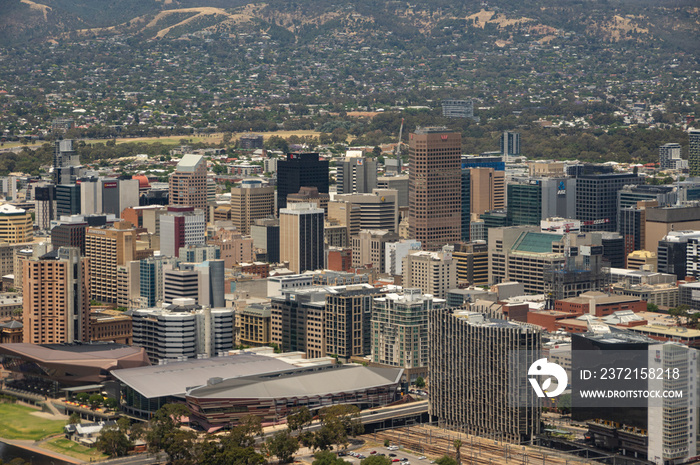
(671, 24)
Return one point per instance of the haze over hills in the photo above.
(640, 23)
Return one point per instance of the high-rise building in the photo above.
(151, 279)
(183, 329)
(531, 200)
(249, 202)
(310, 195)
(347, 320)
(670, 156)
(297, 321)
(301, 237)
(356, 174)
(400, 183)
(67, 200)
(202, 282)
(266, 235)
(472, 263)
(56, 305)
(452, 108)
(16, 225)
(488, 190)
(466, 203)
(472, 383)
(631, 222)
(400, 330)
(510, 144)
(109, 195)
(297, 171)
(108, 248)
(435, 197)
(672, 253)
(70, 232)
(188, 184)
(596, 199)
(234, 248)
(378, 209)
(179, 227)
(66, 162)
(434, 273)
(660, 221)
(369, 246)
(147, 216)
(253, 325)
(694, 152)
(45, 205)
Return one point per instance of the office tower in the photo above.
(67, 200)
(300, 170)
(395, 253)
(434, 273)
(672, 253)
(249, 202)
(129, 286)
(660, 221)
(613, 249)
(488, 190)
(694, 151)
(472, 263)
(109, 195)
(203, 282)
(378, 210)
(670, 156)
(596, 199)
(630, 196)
(510, 144)
(45, 205)
(435, 197)
(188, 184)
(356, 174)
(66, 163)
(56, 305)
(400, 330)
(297, 321)
(466, 187)
(108, 248)
(473, 385)
(452, 108)
(179, 227)
(531, 200)
(151, 279)
(672, 425)
(183, 329)
(253, 325)
(631, 223)
(399, 183)
(211, 283)
(347, 320)
(524, 254)
(16, 225)
(368, 248)
(486, 160)
(199, 253)
(266, 235)
(301, 237)
(70, 232)
(180, 283)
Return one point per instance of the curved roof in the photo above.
(143, 181)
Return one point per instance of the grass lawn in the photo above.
(17, 422)
(73, 449)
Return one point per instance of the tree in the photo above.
(679, 312)
(83, 397)
(74, 419)
(95, 401)
(458, 450)
(325, 457)
(113, 439)
(338, 423)
(299, 418)
(165, 422)
(282, 445)
(420, 382)
(445, 460)
(376, 460)
(111, 403)
(652, 307)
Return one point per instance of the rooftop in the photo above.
(189, 163)
(536, 242)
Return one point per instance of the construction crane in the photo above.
(398, 146)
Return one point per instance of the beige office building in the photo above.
(253, 325)
(107, 249)
(301, 237)
(56, 305)
(488, 190)
(249, 202)
(16, 225)
(368, 248)
(433, 273)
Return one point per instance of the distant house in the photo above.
(86, 433)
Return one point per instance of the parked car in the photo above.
(392, 448)
(422, 457)
(395, 460)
